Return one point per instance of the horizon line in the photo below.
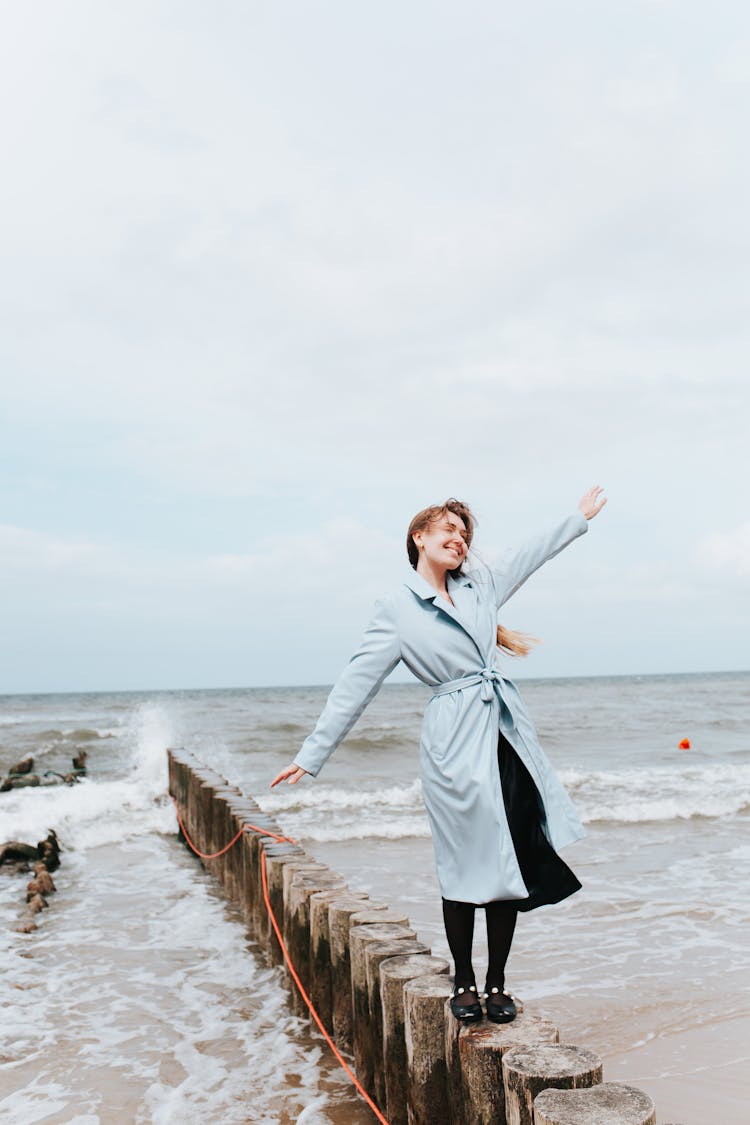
(398, 683)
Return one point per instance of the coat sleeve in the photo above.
(517, 565)
(378, 654)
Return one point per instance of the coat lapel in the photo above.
(460, 590)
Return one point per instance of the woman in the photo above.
(497, 811)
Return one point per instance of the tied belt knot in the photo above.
(487, 678)
(490, 677)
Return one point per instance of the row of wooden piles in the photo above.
(381, 994)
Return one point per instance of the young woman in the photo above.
(497, 810)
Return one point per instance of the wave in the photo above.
(659, 793)
(327, 798)
(87, 734)
(384, 740)
(80, 734)
(92, 813)
(612, 796)
(406, 828)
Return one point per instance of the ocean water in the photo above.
(141, 998)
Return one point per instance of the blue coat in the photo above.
(454, 650)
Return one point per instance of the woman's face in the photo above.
(443, 544)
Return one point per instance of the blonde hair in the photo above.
(511, 641)
(515, 643)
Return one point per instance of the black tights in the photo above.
(459, 929)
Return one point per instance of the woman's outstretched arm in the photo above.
(513, 570)
(359, 683)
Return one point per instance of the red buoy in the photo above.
(685, 744)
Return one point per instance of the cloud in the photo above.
(728, 552)
(300, 568)
(270, 286)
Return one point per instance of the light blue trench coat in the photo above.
(454, 650)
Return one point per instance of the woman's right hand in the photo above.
(592, 503)
(292, 774)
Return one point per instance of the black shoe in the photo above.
(500, 1006)
(465, 1004)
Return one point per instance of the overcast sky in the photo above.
(275, 276)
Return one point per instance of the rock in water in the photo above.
(23, 782)
(26, 765)
(41, 883)
(14, 851)
(49, 851)
(43, 877)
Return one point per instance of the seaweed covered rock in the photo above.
(22, 781)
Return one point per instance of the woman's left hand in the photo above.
(590, 504)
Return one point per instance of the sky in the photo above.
(275, 276)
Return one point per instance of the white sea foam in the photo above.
(655, 793)
(161, 1005)
(383, 829)
(319, 812)
(324, 798)
(92, 813)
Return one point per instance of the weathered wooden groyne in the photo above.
(379, 991)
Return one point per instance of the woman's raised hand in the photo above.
(292, 774)
(590, 504)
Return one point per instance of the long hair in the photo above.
(510, 641)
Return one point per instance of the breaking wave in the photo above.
(328, 813)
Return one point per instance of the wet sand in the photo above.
(693, 1076)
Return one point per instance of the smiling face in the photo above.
(443, 544)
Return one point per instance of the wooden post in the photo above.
(221, 833)
(320, 949)
(361, 935)
(426, 1082)
(252, 844)
(396, 974)
(275, 867)
(305, 866)
(608, 1104)
(240, 811)
(529, 1070)
(302, 886)
(276, 852)
(376, 953)
(474, 1059)
(339, 924)
(198, 814)
(179, 776)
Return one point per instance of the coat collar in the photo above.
(456, 588)
(424, 590)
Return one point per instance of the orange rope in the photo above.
(266, 898)
(191, 845)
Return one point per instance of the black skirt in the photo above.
(546, 876)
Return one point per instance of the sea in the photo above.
(142, 998)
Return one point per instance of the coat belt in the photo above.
(488, 678)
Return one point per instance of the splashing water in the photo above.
(92, 813)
